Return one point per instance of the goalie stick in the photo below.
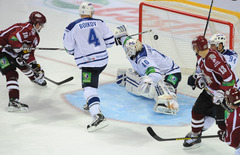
(156, 137)
(140, 33)
(57, 83)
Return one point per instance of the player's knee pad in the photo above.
(12, 75)
(89, 92)
(121, 77)
(132, 81)
(208, 122)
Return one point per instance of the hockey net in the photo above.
(176, 24)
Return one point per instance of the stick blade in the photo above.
(153, 134)
(66, 80)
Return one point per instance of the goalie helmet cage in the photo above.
(176, 26)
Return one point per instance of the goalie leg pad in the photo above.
(121, 77)
(166, 105)
(132, 81)
(165, 100)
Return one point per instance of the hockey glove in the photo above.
(221, 135)
(218, 97)
(25, 48)
(120, 32)
(191, 81)
(38, 74)
(200, 81)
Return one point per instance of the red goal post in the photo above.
(176, 28)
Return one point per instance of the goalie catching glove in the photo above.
(120, 32)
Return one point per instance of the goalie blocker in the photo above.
(163, 93)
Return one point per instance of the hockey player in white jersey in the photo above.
(153, 76)
(87, 39)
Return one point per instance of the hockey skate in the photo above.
(99, 121)
(15, 106)
(40, 82)
(192, 143)
(86, 108)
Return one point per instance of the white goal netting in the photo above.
(176, 24)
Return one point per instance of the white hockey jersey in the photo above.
(87, 39)
(151, 58)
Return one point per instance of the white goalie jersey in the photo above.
(87, 39)
(147, 78)
(149, 59)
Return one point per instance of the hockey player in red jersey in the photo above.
(17, 43)
(232, 134)
(215, 77)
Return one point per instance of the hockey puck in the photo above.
(155, 37)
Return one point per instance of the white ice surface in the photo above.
(52, 126)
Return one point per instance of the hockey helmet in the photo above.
(232, 97)
(216, 39)
(200, 43)
(86, 9)
(37, 17)
(132, 46)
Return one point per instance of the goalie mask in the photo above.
(232, 97)
(216, 39)
(132, 46)
(86, 9)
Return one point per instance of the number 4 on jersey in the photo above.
(92, 39)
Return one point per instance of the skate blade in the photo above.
(192, 147)
(100, 126)
(22, 109)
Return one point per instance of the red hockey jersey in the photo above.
(233, 128)
(216, 71)
(18, 34)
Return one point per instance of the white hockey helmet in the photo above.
(132, 46)
(86, 9)
(216, 39)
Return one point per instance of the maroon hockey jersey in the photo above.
(233, 128)
(18, 34)
(216, 70)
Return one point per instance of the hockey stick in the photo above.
(156, 137)
(140, 33)
(205, 30)
(61, 82)
(209, 13)
(37, 48)
(57, 83)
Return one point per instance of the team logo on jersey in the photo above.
(4, 62)
(86, 77)
(14, 38)
(25, 35)
(172, 79)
